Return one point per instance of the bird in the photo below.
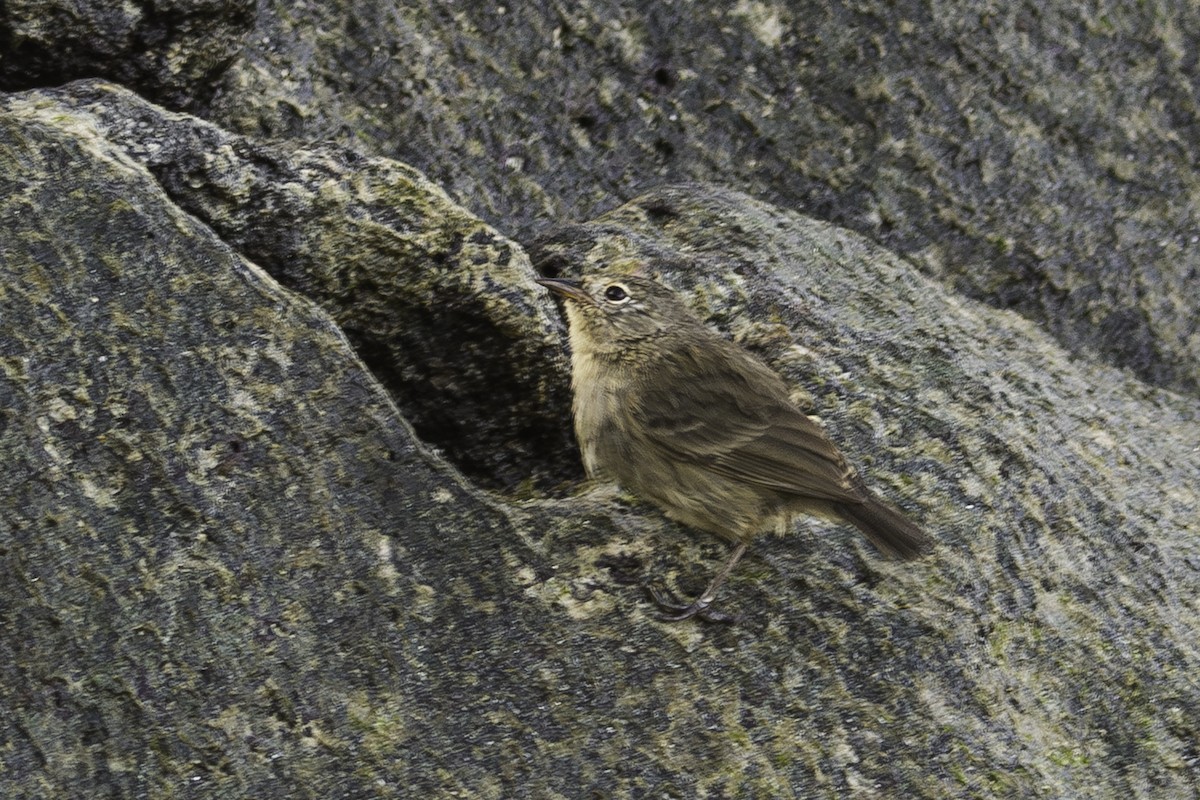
(686, 419)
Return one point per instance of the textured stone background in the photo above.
(291, 504)
(1038, 156)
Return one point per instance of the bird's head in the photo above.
(611, 312)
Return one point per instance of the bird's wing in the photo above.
(729, 413)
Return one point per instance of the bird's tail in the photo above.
(888, 529)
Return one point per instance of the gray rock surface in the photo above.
(291, 507)
(230, 569)
(1039, 156)
(440, 305)
(172, 50)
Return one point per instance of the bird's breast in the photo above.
(600, 400)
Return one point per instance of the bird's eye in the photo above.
(616, 294)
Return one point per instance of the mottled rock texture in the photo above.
(290, 503)
(439, 304)
(172, 50)
(1038, 156)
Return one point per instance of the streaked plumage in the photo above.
(688, 420)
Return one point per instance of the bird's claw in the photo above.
(677, 612)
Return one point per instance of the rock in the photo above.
(229, 567)
(1063, 494)
(214, 514)
(1040, 159)
(441, 307)
(170, 50)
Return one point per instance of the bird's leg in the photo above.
(700, 607)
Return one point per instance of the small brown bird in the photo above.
(684, 418)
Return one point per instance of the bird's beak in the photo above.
(568, 289)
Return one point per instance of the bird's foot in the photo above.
(677, 612)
